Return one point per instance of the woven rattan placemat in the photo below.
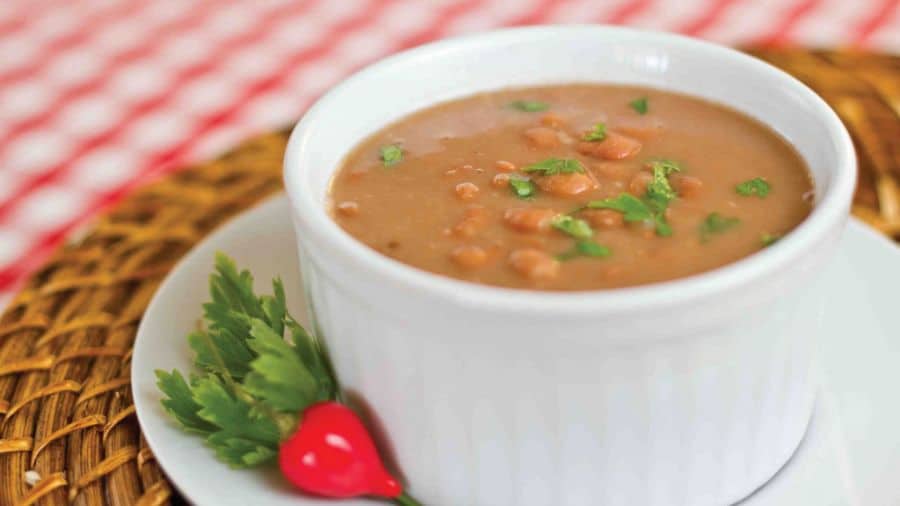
(66, 414)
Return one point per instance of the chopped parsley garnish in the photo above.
(574, 227)
(769, 239)
(391, 154)
(639, 105)
(592, 249)
(523, 188)
(663, 229)
(665, 167)
(652, 206)
(554, 166)
(756, 186)
(632, 208)
(715, 223)
(529, 105)
(585, 248)
(597, 134)
(660, 191)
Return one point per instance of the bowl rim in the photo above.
(830, 211)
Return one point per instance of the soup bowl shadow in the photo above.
(689, 392)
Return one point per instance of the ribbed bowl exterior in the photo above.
(693, 392)
(484, 414)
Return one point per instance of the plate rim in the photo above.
(139, 372)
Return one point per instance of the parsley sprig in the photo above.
(640, 105)
(653, 205)
(756, 186)
(767, 239)
(715, 224)
(585, 248)
(571, 226)
(529, 105)
(554, 166)
(660, 191)
(522, 187)
(251, 381)
(391, 154)
(597, 134)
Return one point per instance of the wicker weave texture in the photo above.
(66, 413)
(864, 89)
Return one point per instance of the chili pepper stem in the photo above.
(405, 499)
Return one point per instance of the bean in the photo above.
(611, 170)
(639, 183)
(469, 256)
(500, 180)
(687, 186)
(644, 134)
(348, 208)
(529, 219)
(466, 191)
(552, 120)
(542, 137)
(504, 166)
(603, 218)
(566, 185)
(614, 147)
(534, 263)
(565, 138)
(474, 221)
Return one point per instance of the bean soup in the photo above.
(572, 187)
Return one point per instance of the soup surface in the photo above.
(571, 187)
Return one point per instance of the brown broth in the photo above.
(412, 210)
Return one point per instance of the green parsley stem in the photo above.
(220, 363)
(405, 499)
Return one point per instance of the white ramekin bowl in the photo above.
(688, 392)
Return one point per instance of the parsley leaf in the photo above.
(554, 166)
(574, 227)
(252, 382)
(632, 208)
(246, 436)
(715, 223)
(756, 186)
(662, 227)
(769, 239)
(222, 408)
(655, 202)
(523, 188)
(635, 209)
(592, 249)
(585, 248)
(639, 105)
(391, 154)
(660, 191)
(279, 377)
(529, 105)
(181, 404)
(597, 134)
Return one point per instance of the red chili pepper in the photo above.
(332, 455)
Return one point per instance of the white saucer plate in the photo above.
(850, 456)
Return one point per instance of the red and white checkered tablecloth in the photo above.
(97, 96)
